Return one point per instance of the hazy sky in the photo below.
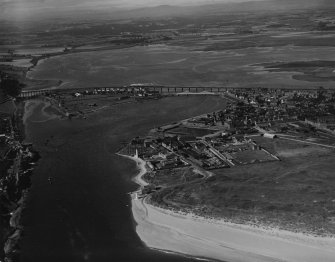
(33, 4)
(29, 8)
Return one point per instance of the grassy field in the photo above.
(171, 177)
(285, 149)
(252, 156)
(295, 193)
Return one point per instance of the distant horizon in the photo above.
(43, 10)
(19, 9)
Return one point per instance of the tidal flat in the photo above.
(172, 65)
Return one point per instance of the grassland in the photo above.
(295, 193)
(249, 157)
(172, 177)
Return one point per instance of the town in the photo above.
(239, 134)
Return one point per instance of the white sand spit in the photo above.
(141, 165)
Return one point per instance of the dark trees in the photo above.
(11, 86)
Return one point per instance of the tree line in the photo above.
(10, 86)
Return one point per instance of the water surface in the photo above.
(85, 213)
(180, 66)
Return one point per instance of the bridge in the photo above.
(113, 89)
(35, 93)
(182, 90)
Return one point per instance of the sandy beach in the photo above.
(141, 167)
(205, 238)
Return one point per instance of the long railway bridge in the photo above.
(158, 89)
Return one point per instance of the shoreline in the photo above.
(141, 167)
(16, 187)
(191, 235)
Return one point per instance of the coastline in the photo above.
(165, 230)
(18, 182)
(141, 167)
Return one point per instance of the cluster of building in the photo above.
(225, 138)
(134, 90)
(270, 106)
(159, 153)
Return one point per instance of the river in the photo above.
(79, 208)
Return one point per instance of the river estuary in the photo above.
(79, 208)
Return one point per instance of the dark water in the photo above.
(85, 213)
